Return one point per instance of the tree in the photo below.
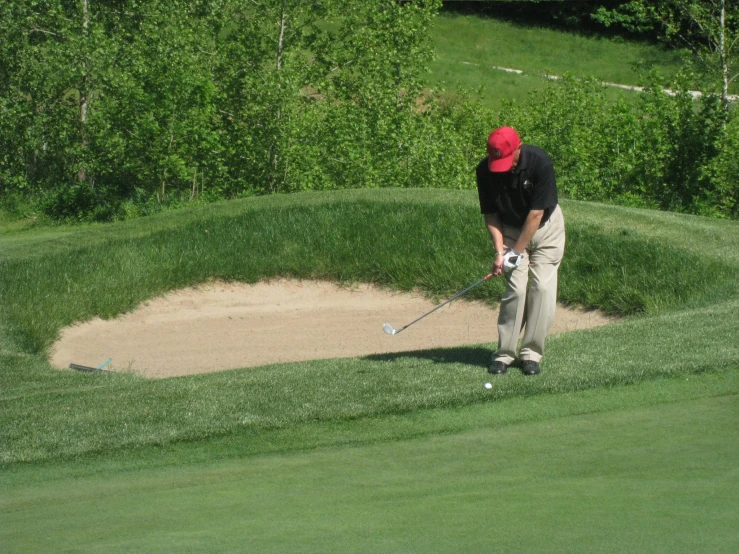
(314, 89)
(56, 60)
(108, 104)
(707, 28)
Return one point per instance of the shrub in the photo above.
(666, 150)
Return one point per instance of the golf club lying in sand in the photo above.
(89, 369)
(389, 328)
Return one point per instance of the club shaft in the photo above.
(472, 286)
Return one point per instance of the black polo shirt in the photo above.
(511, 195)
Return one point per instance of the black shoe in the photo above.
(497, 368)
(529, 367)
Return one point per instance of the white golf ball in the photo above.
(488, 385)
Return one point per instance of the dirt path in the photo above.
(229, 325)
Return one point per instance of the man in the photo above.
(518, 199)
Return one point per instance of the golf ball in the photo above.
(488, 385)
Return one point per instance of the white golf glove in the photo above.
(511, 259)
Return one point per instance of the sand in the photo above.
(221, 326)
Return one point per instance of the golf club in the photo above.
(389, 328)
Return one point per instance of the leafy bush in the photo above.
(122, 110)
(217, 98)
(721, 174)
(666, 150)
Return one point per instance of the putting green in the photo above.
(659, 478)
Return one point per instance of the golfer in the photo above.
(518, 199)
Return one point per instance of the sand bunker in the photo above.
(229, 325)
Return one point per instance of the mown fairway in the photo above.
(641, 469)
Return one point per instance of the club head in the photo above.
(389, 329)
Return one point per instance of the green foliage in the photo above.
(116, 110)
(108, 104)
(708, 29)
(666, 150)
(722, 172)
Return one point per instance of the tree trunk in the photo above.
(275, 147)
(724, 57)
(84, 102)
(280, 41)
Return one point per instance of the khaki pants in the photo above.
(534, 307)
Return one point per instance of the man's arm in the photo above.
(495, 228)
(530, 226)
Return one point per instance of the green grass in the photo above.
(118, 462)
(648, 468)
(462, 40)
(403, 240)
(400, 239)
(73, 415)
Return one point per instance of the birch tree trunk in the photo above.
(84, 100)
(724, 58)
(280, 41)
(280, 49)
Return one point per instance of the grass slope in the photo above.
(468, 48)
(432, 240)
(403, 240)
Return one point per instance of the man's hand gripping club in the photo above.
(511, 259)
(506, 261)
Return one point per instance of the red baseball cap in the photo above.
(502, 143)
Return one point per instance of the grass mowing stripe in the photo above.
(657, 478)
(378, 429)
